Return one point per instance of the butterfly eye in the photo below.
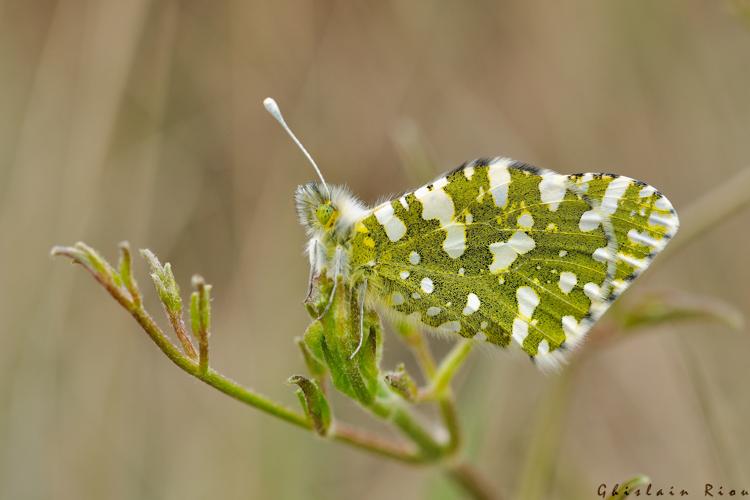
(325, 214)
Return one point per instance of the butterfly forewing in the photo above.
(502, 251)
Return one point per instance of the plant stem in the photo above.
(342, 433)
(449, 415)
(448, 367)
(375, 444)
(473, 483)
(422, 353)
(430, 448)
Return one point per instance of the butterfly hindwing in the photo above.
(506, 252)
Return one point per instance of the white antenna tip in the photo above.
(271, 106)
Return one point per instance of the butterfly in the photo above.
(495, 250)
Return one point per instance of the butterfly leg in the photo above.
(336, 273)
(314, 272)
(362, 292)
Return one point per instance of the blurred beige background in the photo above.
(142, 120)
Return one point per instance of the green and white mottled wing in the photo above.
(510, 253)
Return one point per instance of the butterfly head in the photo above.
(315, 209)
(328, 212)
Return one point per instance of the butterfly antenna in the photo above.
(274, 110)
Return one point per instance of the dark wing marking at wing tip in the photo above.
(473, 163)
(519, 165)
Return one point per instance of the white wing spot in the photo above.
(583, 182)
(598, 304)
(415, 295)
(645, 239)
(469, 172)
(590, 220)
(615, 189)
(571, 328)
(404, 274)
(404, 203)
(520, 330)
(552, 190)
(433, 311)
(563, 253)
(480, 336)
(472, 304)
(455, 240)
(503, 256)
(521, 242)
(634, 262)
(527, 301)
(646, 191)
(603, 254)
(397, 299)
(593, 292)
(394, 227)
(667, 221)
(526, 221)
(461, 271)
(567, 281)
(427, 285)
(663, 204)
(542, 348)
(414, 258)
(499, 177)
(436, 203)
(451, 326)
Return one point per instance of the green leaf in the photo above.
(99, 263)
(315, 366)
(126, 273)
(200, 317)
(314, 403)
(334, 337)
(658, 308)
(165, 283)
(200, 306)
